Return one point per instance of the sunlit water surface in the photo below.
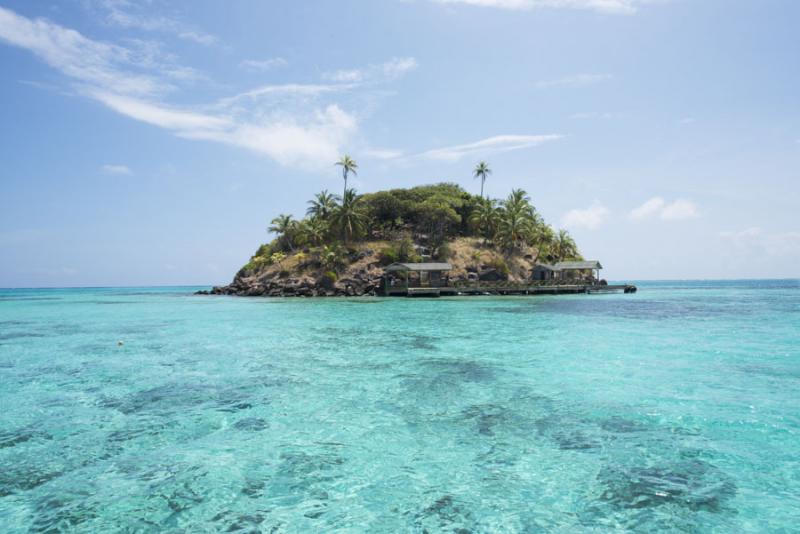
(675, 409)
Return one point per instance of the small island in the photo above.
(428, 240)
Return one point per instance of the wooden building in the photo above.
(568, 270)
(410, 275)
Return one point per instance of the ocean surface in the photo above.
(676, 409)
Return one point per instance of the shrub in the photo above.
(277, 257)
(264, 250)
(255, 264)
(444, 252)
(332, 257)
(400, 251)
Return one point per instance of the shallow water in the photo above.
(675, 409)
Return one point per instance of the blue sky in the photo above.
(151, 142)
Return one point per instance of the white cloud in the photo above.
(346, 76)
(117, 169)
(82, 59)
(282, 91)
(397, 67)
(754, 240)
(498, 143)
(590, 218)
(299, 132)
(313, 142)
(576, 80)
(677, 210)
(198, 37)
(382, 153)
(390, 70)
(127, 14)
(605, 6)
(263, 64)
(160, 115)
(649, 209)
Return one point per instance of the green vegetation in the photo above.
(481, 171)
(405, 224)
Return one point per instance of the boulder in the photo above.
(491, 275)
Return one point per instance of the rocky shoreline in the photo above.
(363, 279)
(364, 271)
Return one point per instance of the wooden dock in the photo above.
(507, 288)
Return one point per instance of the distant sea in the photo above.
(676, 409)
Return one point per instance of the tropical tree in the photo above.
(543, 238)
(564, 247)
(516, 219)
(323, 205)
(284, 226)
(437, 215)
(484, 217)
(312, 231)
(481, 171)
(348, 166)
(332, 257)
(350, 217)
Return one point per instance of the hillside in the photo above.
(342, 245)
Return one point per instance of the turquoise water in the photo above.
(675, 409)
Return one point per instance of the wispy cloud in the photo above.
(390, 70)
(573, 81)
(256, 65)
(306, 142)
(657, 207)
(84, 60)
(117, 169)
(382, 153)
(679, 210)
(498, 143)
(127, 14)
(756, 240)
(307, 134)
(604, 6)
(284, 90)
(591, 217)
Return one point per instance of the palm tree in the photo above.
(323, 205)
(543, 239)
(350, 217)
(331, 257)
(481, 171)
(516, 220)
(484, 217)
(564, 247)
(284, 227)
(312, 231)
(348, 165)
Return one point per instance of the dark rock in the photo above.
(253, 424)
(491, 275)
(693, 484)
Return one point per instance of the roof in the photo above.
(545, 266)
(577, 265)
(419, 267)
